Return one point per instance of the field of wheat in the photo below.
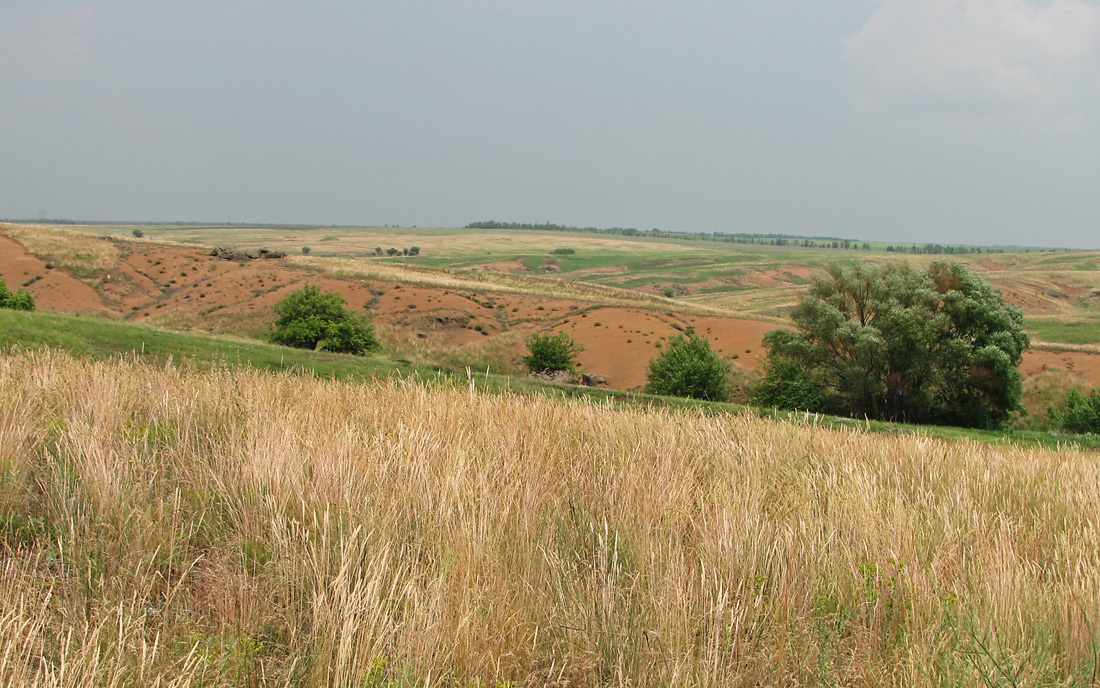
(165, 526)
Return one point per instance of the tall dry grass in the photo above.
(169, 527)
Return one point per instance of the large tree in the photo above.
(894, 342)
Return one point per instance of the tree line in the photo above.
(747, 238)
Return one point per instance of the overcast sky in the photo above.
(969, 121)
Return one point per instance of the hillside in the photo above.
(472, 296)
(167, 526)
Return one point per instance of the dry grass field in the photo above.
(165, 526)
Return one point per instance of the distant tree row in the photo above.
(410, 251)
(758, 239)
(768, 239)
(940, 249)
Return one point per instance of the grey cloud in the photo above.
(975, 55)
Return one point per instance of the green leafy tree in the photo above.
(688, 367)
(310, 319)
(894, 342)
(21, 300)
(550, 352)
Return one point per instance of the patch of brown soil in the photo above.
(1083, 365)
(510, 266)
(53, 289)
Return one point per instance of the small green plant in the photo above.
(138, 233)
(551, 352)
(563, 251)
(668, 292)
(306, 250)
(688, 367)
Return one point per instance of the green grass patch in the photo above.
(102, 338)
(1065, 331)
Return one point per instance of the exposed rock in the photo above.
(592, 380)
(563, 377)
(448, 320)
(244, 255)
(421, 335)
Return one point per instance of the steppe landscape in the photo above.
(196, 519)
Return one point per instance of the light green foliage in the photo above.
(309, 319)
(18, 301)
(897, 343)
(551, 352)
(688, 367)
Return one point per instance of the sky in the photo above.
(945, 121)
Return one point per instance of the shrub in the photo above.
(18, 301)
(688, 367)
(787, 385)
(138, 233)
(1078, 412)
(310, 319)
(414, 250)
(563, 251)
(551, 352)
(306, 250)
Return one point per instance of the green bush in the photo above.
(563, 251)
(309, 319)
(787, 385)
(688, 367)
(551, 352)
(1078, 412)
(306, 250)
(18, 301)
(138, 233)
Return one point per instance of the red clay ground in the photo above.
(185, 288)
